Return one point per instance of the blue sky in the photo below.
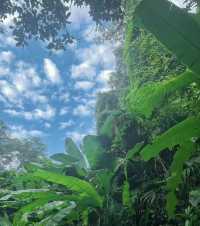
(54, 95)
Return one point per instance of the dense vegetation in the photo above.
(143, 166)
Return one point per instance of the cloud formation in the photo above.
(51, 71)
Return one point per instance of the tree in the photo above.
(49, 20)
(16, 152)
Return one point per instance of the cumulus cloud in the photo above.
(10, 93)
(51, 71)
(26, 77)
(180, 3)
(64, 97)
(84, 85)
(6, 38)
(47, 125)
(6, 57)
(37, 114)
(79, 16)
(20, 132)
(64, 111)
(76, 136)
(64, 125)
(4, 70)
(83, 70)
(82, 110)
(98, 55)
(21, 83)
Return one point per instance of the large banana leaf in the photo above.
(72, 149)
(63, 158)
(74, 184)
(175, 28)
(143, 101)
(177, 135)
(96, 153)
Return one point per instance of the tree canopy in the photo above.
(49, 20)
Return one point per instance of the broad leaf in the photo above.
(72, 149)
(180, 134)
(74, 184)
(143, 101)
(176, 169)
(63, 158)
(175, 28)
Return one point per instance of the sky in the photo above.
(53, 95)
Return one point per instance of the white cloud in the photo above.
(64, 97)
(82, 110)
(26, 78)
(6, 38)
(45, 114)
(22, 83)
(91, 33)
(9, 92)
(4, 70)
(76, 136)
(104, 76)
(47, 125)
(64, 125)
(52, 71)
(84, 85)
(183, 4)
(6, 57)
(36, 114)
(180, 3)
(20, 132)
(64, 111)
(83, 70)
(98, 55)
(79, 16)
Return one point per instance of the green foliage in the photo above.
(31, 19)
(65, 159)
(146, 58)
(107, 129)
(126, 196)
(96, 154)
(74, 184)
(139, 166)
(176, 170)
(72, 149)
(195, 197)
(143, 101)
(180, 134)
(175, 28)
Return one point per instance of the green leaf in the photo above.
(143, 101)
(195, 197)
(95, 153)
(180, 134)
(126, 195)
(176, 169)
(63, 158)
(107, 127)
(72, 149)
(20, 217)
(134, 151)
(72, 183)
(175, 28)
